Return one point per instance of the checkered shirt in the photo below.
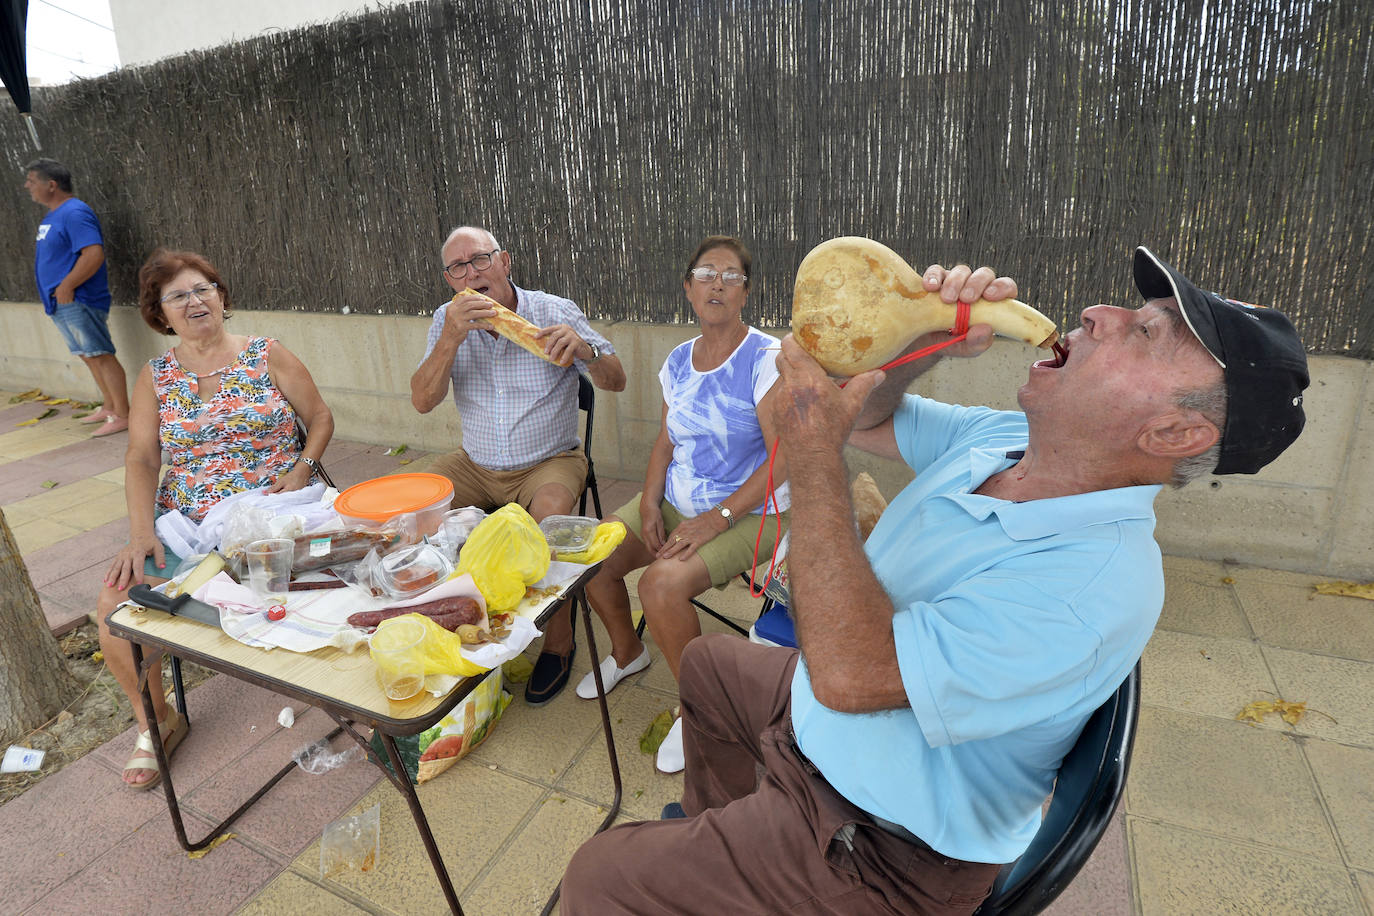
(517, 409)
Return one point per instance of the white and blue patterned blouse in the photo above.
(713, 423)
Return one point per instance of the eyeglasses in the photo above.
(458, 269)
(204, 292)
(709, 274)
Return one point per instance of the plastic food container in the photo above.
(375, 502)
(568, 533)
(412, 570)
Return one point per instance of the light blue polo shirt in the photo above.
(1014, 621)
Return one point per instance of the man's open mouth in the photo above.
(1061, 356)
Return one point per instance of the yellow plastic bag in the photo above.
(505, 553)
(439, 649)
(605, 539)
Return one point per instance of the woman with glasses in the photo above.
(224, 407)
(695, 523)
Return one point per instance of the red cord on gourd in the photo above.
(957, 333)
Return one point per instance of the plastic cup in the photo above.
(396, 652)
(269, 569)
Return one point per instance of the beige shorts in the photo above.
(474, 485)
(727, 554)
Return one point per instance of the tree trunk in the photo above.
(34, 680)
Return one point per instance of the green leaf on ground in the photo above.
(47, 413)
(658, 730)
(517, 670)
(78, 416)
(49, 484)
(397, 450)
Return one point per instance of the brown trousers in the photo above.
(765, 833)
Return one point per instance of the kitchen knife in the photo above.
(180, 606)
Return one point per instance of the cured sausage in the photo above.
(332, 548)
(449, 613)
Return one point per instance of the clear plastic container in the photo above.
(412, 570)
(568, 533)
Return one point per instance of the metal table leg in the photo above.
(165, 768)
(605, 728)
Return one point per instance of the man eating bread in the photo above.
(518, 408)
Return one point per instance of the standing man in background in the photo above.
(69, 265)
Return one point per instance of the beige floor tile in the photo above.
(291, 895)
(114, 476)
(1338, 687)
(659, 676)
(1345, 778)
(25, 443)
(1181, 872)
(539, 743)
(530, 867)
(1207, 675)
(1271, 799)
(107, 507)
(40, 533)
(472, 812)
(77, 493)
(1206, 572)
(1242, 575)
(1366, 882)
(1202, 609)
(1293, 616)
(645, 789)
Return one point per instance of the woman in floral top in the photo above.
(224, 408)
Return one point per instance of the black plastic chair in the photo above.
(1091, 780)
(586, 400)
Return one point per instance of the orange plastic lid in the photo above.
(383, 498)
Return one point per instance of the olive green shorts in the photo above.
(727, 554)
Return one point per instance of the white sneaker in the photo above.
(611, 674)
(670, 756)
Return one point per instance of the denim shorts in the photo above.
(85, 329)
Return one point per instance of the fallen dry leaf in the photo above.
(201, 853)
(53, 402)
(1290, 711)
(1349, 589)
(51, 411)
(33, 394)
(33, 422)
(397, 450)
(658, 730)
(48, 484)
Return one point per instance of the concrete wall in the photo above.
(1310, 511)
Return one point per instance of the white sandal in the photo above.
(172, 729)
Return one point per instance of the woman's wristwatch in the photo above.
(312, 464)
(726, 514)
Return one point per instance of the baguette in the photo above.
(511, 326)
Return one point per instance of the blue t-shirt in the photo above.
(713, 423)
(61, 236)
(1013, 622)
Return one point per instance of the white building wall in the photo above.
(149, 30)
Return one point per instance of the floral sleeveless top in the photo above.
(242, 439)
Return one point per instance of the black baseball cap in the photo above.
(1261, 357)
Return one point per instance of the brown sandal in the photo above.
(172, 729)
